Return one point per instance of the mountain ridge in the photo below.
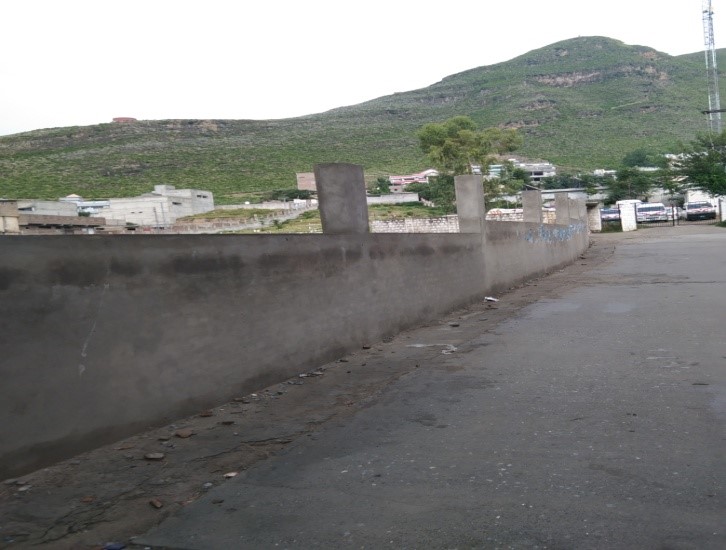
(581, 103)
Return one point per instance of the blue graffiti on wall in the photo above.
(554, 233)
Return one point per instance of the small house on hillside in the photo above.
(306, 181)
(399, 183)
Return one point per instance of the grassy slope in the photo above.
(581, 104)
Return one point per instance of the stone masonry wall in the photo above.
(450, 224)
(447, 224)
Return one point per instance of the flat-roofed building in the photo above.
(399, 183)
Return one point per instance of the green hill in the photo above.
(580, 104)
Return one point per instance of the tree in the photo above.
(456, 147)
(288, 194)
(519, 175)
(631, 183)
(643, 158)
(511, 181)
(382, 186)
(439, 190)
(674, 186)
(703, 164)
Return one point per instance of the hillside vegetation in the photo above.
(581, 104)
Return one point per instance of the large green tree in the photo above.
(640, 172)
(382, 186)
(703, 163)
(439, 190)
(643, 157)
(456, 146)
(511, 181)
(631, 183)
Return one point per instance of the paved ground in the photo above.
(583, 410)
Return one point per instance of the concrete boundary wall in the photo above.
(518, 251)
(101, 337)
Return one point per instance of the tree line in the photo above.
(456, 147)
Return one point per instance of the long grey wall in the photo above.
(102, 336)
(517, 251)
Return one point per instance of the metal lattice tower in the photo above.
(714, 102)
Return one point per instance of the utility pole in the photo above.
(714, 103)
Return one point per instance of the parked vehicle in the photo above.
(610, 214)
(700, 211)
(649, 212)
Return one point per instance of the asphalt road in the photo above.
(592, 417)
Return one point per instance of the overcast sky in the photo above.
(79, 62)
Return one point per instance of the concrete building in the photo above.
(306, 181)
(186, 202)
(14, 221)
(46, 208)
(148, 210)
(536, 171)
(161, 208)
(86, 207)
(399, 183)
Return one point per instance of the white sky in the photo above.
(79, 62)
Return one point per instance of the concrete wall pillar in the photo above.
(574, 210)
(628, 217)
(470, 203)
(594, 220)
(562, 209)
(581, 209)
(9, 218)
(532, 205)
(342, 198)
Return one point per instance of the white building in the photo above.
(158, 209)
(186, 202)
(46, 208)
(399, 183)
(535, 170)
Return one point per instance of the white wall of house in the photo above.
(695, 195)
(396, 198)
(47, 208)
(146, 210)
(186, 202)
(158, 209)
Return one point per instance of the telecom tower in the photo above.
(714, 103)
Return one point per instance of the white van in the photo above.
(647, 212)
